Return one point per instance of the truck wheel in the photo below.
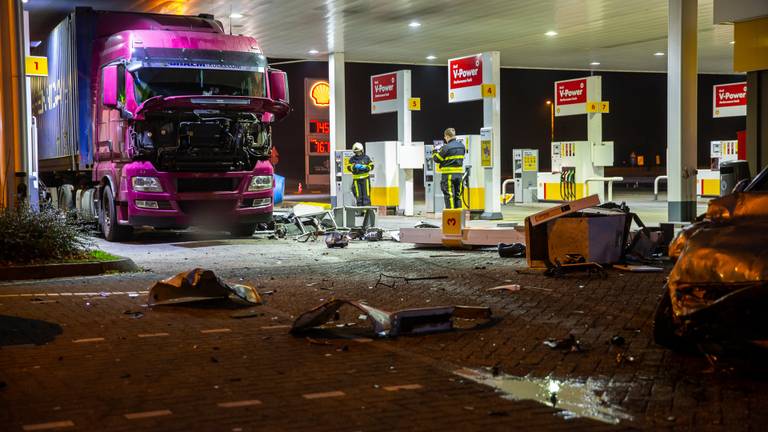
(243, 230)
(108, 219)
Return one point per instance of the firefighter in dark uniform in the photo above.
(361, 166)
(450, 160)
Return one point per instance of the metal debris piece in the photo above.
(403, 322)
(638, 268)
(373, 234)
(134, 314)
(569, 344)
(514, 250)
(509, 288)
(198, 285)
(336, 239)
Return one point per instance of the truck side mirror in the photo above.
(278, 85)
(109, 86)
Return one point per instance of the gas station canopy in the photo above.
(552, 34)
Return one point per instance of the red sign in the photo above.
(729, 95)
(571, 92)
(465, 72)
(384, 87)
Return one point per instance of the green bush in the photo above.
(28, 236)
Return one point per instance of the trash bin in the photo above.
(279, 189)
(732, 172)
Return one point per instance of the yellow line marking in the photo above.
(49, 425)
(148, 335)
(27, 295)
(219, 330)
(238, 404)
(275, 327)
(330, 394)
(147, 414)
(65, 294)
(86, 340)
(403, 387)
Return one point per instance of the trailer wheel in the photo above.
(108, 219)
(243, 230)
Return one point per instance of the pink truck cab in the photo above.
(180, 116)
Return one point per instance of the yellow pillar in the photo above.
(11, 102)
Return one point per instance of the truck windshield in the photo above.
(152, 81)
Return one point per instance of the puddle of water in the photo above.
(575, 399)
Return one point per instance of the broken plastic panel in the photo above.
(403, 322)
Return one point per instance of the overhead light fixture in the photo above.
(235, 15)
(595, 64)
(658, 54)
(24, 1)
(313, 52)
(431, 57)
(733, 42)
(414, 24)
(551, 33)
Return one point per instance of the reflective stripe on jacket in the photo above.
(364, 160)
(450, 158)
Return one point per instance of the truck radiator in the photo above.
(210, 184)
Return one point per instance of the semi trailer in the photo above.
(165, 120)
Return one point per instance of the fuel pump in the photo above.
(525, 163)
(344, 195)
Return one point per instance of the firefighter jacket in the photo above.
(358, 172)
(450, 158)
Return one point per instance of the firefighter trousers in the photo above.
(361, 188)
(452, 188)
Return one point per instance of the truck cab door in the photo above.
(110, 124)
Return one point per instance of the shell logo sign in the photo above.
(320, 93)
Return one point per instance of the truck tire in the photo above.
(243, 230)
(108, 219)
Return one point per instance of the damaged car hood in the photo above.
(725, 252)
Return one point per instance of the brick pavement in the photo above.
(199, 369)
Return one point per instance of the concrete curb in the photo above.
(48, 271)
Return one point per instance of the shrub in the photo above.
(30, 236)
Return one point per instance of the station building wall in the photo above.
(637, 121)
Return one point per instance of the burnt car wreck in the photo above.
(717, 292)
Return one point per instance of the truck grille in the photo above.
(211, 184)
(207, 207)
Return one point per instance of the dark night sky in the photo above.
(637, 121)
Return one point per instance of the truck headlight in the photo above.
(146, 184)
(260, 183)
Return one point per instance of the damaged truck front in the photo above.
(176, 126)
(717, 292)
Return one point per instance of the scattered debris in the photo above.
(38, 300)
(622, 358)
(246, 314)
(134, 314)
(405, 279)
(510, 288)
(570, 344)
(638, 268)
(403, 322)
(514, 250)
(423, 224)
(336, 239)
(373, 234)
(198, 285)
(617, 340)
